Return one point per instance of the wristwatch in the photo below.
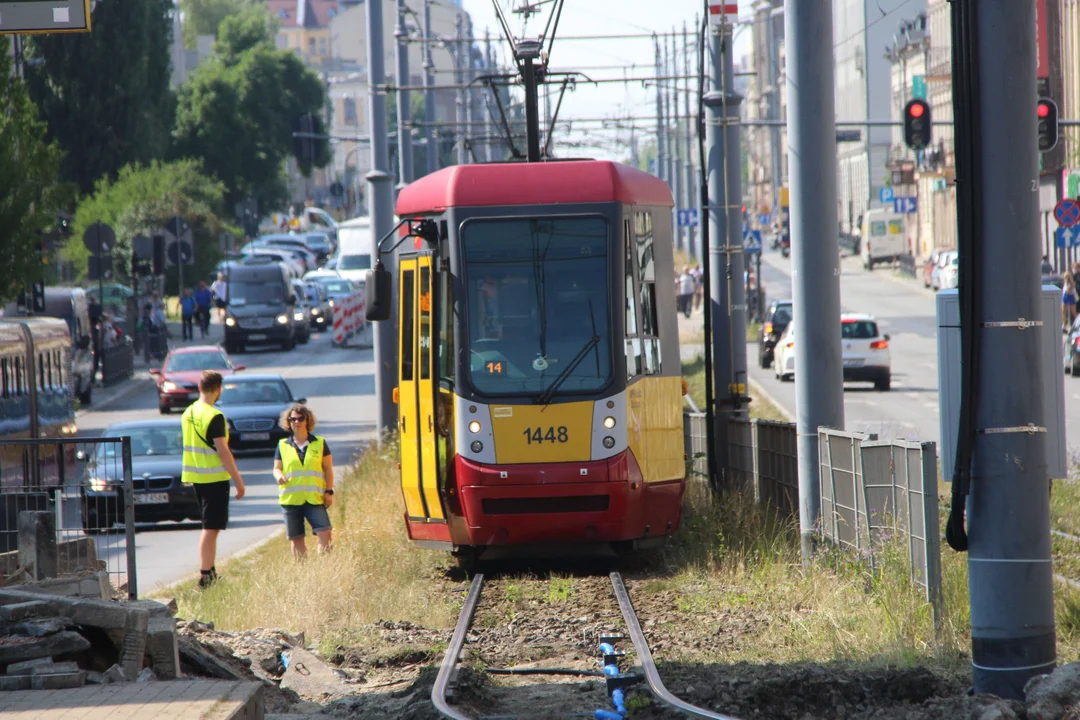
(328, 492)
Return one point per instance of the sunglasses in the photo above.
(296, 418)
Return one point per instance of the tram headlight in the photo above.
(474, 427)
(477, 446)
(609, 442)
(609, 422)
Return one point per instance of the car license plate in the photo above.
(148, 498)
(256, 336)
(254, 436)
(853, 362)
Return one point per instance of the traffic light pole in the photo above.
(1010, 577)
(815, 247)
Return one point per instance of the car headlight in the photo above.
(169, 386)
(297, 316)
(332, 304)
(283, 319)
(230, 322)
(315, 311)
(99, 484)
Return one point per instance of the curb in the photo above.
(133, 384)
(239, 554)
(771, 399)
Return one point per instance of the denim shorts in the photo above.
(295, 515)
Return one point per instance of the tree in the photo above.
(142, 200)
(204, 17)
(30, 194)
(236, 113)
(105, 95)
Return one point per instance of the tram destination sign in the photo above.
(39, 17)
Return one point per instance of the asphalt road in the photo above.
(339, 386)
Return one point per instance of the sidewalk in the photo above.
(173, 699)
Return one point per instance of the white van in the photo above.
(884, 237)
(355, 249)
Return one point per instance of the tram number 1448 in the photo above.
(539, 435)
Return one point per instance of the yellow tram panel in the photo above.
(655, 425)
(542, 433)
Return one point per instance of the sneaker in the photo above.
(207, 578)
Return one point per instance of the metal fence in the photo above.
(118, 361)
(87, 488)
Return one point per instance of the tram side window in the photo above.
(425, 323)
(407, 325)
(643, 230)
(633, 343)
(5, 378)
(445, 310)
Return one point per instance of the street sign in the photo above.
(99, 238)
(1067, 237)
(54, 16)
(100, 268)
(905, 205)
(764, 219)
(719, 11)
(142, 247)
(177, 249)
(752, 241)
(178, 232)
(885, 195)
(848, 136)
(1067, 212)
(687, 218)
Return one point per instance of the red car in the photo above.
(178, 378)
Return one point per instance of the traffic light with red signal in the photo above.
(917, 124)
(1047, 124)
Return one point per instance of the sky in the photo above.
(634, 58)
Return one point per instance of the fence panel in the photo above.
(843, 503)
(87, 486)
(776, 466)
(740, 475)
(696, 446)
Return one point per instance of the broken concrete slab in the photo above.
(14, 648)
(207, 664)
(23, 610)
(155, 608)
(10, 683)
(146, 675)
(40, 627)
(93, 586)
(310, 677)
(58, 681)
(162, 647)
(93, 677)
(37, 544)
(131, 641)
(115, 674)
(26, 667)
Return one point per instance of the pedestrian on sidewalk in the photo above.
(220, 288)
(208, 463)
(204, 298)
(1068, 302)
(699, 285)
(304, 471)
(1047, 268)
(685, 298)
(187, 315)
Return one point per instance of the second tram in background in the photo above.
(540, 391)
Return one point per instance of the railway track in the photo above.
(617, 680)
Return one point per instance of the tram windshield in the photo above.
(537, 295)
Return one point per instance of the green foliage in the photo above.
(30, 194)
(236, 113)
(204, 17)
(142, 200)
(105, 95)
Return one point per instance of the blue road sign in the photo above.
(764, 219)
(1067, 237)
(752, 241)
(885, 195)
(905, 205)
(687, 218)
(1067, 212)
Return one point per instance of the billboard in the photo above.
(37, 17)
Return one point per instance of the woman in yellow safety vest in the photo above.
(304, 472)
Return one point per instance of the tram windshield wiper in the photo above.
(545, 397)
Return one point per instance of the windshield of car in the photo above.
(354, 262)
(252, 293)
(317, 240)
(537, 293)
(782, 315)
(858, 330)
(185, 362)
(262, 391)
(336, 286)
(144, 441)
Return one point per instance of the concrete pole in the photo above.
(489, 127)
(469, 68)
(688, 163)
(697, 179)
(404, 111)
(726, 257)
(431, 150)
(676, 146)
(661, 140)
(669, 140)
(1009, 568)
(815, 247)
(459, 103)
(774, 114)
(381, 209)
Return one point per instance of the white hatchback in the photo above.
(865, 352)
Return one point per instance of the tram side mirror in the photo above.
(377, 290)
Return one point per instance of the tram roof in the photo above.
(541, 183)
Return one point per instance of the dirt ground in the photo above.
(557, 622)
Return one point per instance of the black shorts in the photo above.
(220, 303)
(213, 504)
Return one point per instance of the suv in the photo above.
(865, 351)
(773, 325)
(260, 306)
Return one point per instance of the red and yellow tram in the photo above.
(539, 389)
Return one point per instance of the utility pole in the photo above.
(696, 185)
(1009, 566)
(661, 150)
(489, 129)
(404, 111)
(815, 247)
(432, 152)
(459, 103)
(381, 210)
(727, 294)
(470, 92)
(688, 163)
(676, 160)
(774, 114)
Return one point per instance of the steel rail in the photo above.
(457, 642)
(641, 647)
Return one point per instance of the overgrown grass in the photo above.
(373, 572)
(693, 372)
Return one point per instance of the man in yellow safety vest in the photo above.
(304, 471)
(207, 466)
